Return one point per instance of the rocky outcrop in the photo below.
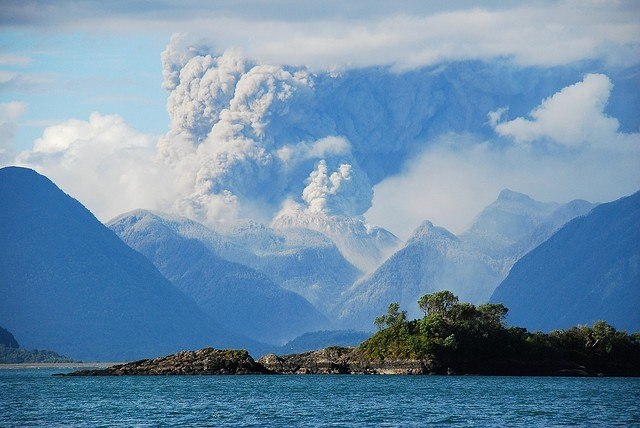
(207, 361)
(339, 360)
(333, 360)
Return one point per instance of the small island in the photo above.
(452, 338)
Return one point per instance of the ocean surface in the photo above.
(33, 397)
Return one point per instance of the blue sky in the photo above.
(417, 110)
(62, 75)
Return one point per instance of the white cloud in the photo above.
(572, 117)
(107, 165)
(406, 34)
(448, 185)
(13, 81)
(11, 59)
(540, 34)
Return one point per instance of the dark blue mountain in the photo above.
(7, 339)
(589, 270)
(69, 283)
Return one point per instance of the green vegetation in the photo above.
(464, 338)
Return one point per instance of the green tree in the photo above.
(493, 314)
(393, 318)
(463, 312)
(439, 303)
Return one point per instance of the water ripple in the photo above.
(35, 398)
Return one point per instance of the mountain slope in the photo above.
(547, 227)
(69, 283)
(470, 265)
(588, 270)
(237, 296)
(506, 221)
(363, 246)
(433, 259)
(302, 260)
(299, 259)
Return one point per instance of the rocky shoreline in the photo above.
(210, 361)
(332, 360)
(338, 360)
(207, 361)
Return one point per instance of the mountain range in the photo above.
(302, 260)
(237, 296)
(152, 283)
(470, 265)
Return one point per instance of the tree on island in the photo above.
(393, 317)
(456, 336)
(437, 303)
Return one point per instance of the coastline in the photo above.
(337, 361)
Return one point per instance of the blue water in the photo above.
(32, 397)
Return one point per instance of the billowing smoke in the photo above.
(343, 191)
(200, 86)
(243, 139)
(244, 136)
